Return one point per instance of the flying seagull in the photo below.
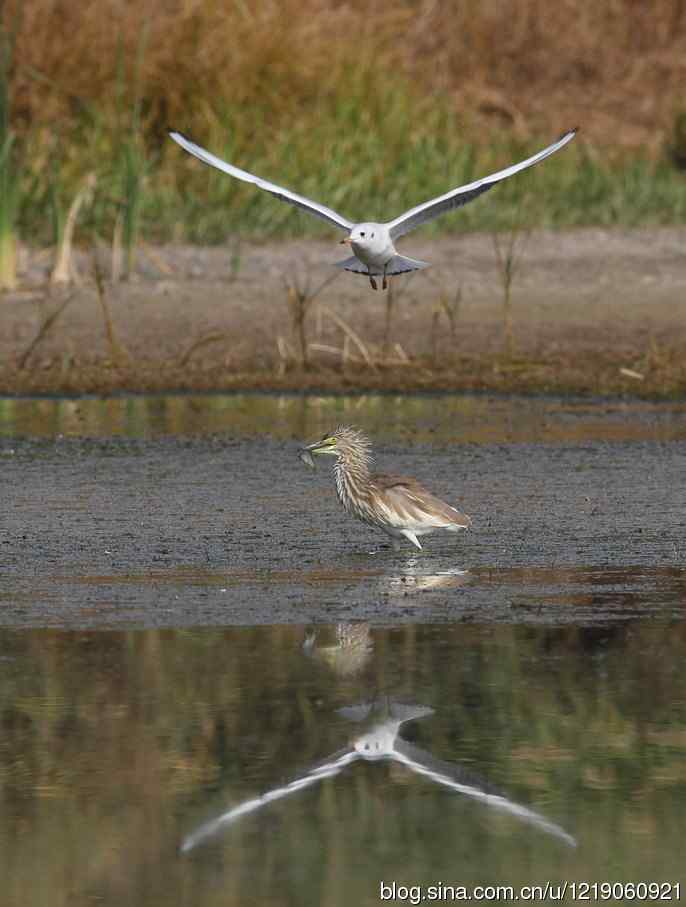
(372, 243)
(380, 740)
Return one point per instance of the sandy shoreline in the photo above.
(594, 311)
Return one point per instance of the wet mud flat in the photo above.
(594, 311)
(301, 712)
(579, 518)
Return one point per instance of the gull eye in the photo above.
(361, 234)
(371, 235)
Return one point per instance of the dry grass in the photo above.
(618, 67)
(369, 108)
(534, 67)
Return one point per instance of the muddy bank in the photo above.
(580, 526)
(594, 312)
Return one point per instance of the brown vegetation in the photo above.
(618, 67)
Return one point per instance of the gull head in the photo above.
(370, 238)
(378, 742)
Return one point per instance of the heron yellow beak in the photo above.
(325, 446)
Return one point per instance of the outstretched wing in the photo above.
(458, 779)
(321, 211)
(327, 769)
(463, 194)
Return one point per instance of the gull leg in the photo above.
(384, 285)
(373, 282)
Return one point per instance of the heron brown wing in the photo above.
(388, 480)
(410, 494)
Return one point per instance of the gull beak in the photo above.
(345, 241)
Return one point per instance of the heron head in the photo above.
(327, 445)
(342, 442)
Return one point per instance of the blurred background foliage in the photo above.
(370, 109)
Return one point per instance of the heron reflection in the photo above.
(380, 740)
(414, 576)
(348, 654)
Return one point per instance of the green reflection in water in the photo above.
(438, 418)
(115, 746)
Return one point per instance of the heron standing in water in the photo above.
(398, 505)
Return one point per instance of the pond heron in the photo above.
(398, 505)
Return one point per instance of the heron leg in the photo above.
(412, 538)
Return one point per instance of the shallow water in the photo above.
(535, 754)
(197, 511)
(190, 626)
(448, 418)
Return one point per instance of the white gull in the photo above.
(373, 243)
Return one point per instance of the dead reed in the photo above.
(507, 249)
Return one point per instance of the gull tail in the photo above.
(352, 264)
(399, 264)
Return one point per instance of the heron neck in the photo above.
(352, 479)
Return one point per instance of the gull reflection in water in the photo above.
(381, 740)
